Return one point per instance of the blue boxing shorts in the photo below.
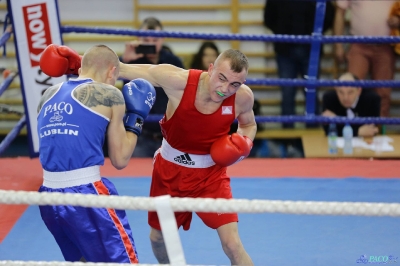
(96, 234)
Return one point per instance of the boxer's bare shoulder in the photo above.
(94, 94)
(47, 94)
(244, 95)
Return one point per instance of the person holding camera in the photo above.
(150, 50)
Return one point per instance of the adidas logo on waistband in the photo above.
(184, 159)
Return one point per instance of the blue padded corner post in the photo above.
(315, 56)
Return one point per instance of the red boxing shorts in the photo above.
(172, 179)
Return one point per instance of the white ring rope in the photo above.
(203, 204)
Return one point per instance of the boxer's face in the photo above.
(223, 81)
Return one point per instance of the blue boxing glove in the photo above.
(139, 97)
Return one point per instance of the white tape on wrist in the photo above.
(240, 159)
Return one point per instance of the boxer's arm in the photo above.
(121, 143)
(246, 121)
(169, 77)
(231, 149)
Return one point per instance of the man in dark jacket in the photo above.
(293, 17)
(352, 102)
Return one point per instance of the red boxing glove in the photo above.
(230, 149)
(58, 60)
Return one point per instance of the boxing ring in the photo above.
(283, 220)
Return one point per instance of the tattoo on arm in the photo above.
(95, 94)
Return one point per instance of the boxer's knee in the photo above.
(156, 235)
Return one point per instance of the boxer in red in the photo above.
(196, 149)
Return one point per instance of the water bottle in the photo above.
(332, 137)
(348, 138)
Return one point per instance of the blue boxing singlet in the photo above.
(71, 135)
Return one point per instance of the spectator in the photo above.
(151, 137)
(394, 20)
(352, 102)
(296, 18)
(206, 55)
(368, 18)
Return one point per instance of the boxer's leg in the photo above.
(225, 223)
(232, 245)
(158, 246)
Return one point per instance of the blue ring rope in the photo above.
(12, 134)
(6, 82)
(316, 39)
(311, 118)
(234, 36)
(6, 35)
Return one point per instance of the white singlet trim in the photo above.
(71, 178)
(185, 159)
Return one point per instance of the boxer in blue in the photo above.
(73, 119)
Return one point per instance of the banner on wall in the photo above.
(36, 24)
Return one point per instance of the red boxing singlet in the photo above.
(190, 131)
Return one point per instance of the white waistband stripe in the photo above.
(185, 159)
(71, 178)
